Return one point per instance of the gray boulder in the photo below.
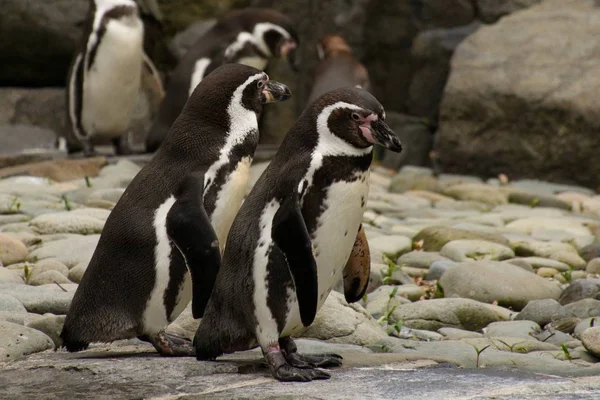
(580, 289)
(17, 341)
(539, 311)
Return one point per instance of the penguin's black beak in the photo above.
(289, 50)
(275, 91)
(385, 136)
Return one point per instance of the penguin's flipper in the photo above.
(189, 227)
(291, 236)
(358, 268)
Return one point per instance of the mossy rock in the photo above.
(435, 237)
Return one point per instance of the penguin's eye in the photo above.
(261, 84)
(355, 116)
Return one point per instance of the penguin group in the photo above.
(257, 267)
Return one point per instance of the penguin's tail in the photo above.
(70, 342)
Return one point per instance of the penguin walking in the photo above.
(158, 246)
(251, 36)
(104, 77)
(297, 234)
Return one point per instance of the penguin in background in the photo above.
(337, 68)
(296, 235)
(161, 241)
(251, 36)
(104, 79)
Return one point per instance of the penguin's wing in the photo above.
(291, 236)
(189, 228)
(358, 268)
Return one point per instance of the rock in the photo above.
(46, 277)
(585, 324)
(411, 178)
(593, 267)
(511, 344)
(455, 313)
(105, 198)
(18, 317)
(590, 252)
(591, 340)
(420, 259)
(435, 237)
(381, 301)
(545, 272)
(9, 276)
(490, 79)
(537, 200)
(338, 322)
(391, 246)
(76, 274)
(431, 196)
(17, 341)
(491, 10)
(563, 324)
(539, 311)
(489, 281)
(20, 138)
(51, 325)
(414, 334)
(584, 308)
(49, 264)
(59, 170)
(431, 52)
(70, 252)
(517, 329)
(477, 192)
(9, 303)
(581, 289)
(464, 250)
(562, 252)
(66, 222)
(41, 299)
(457, 334)
(528, 225)
(541, 262)
(438, 268)
(415, 134)
(557, 338)
(11, 250)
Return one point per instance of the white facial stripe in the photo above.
(242, 122)
(198, 74)
(102, 7)
(256, 38)
(239, 43)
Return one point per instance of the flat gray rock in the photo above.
(42, 299)
(539, 311)
(17, 341)
(517, 329)
(11, 304)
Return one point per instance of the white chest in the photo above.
(333, 240)
(111, 85)
(229, 199)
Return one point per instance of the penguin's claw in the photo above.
(288, 373)
(170, 345)
(315, 360)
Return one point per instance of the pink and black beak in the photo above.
(375, 130)
(274, 91)
(288, 49)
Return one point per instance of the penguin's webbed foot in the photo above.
(283, 371)
(88, 149)
(170, 345)
(290, 351)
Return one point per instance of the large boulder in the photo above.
(522, 96)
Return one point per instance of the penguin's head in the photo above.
(356, 117)
(273, 33)
(330, 44)
(235, 84)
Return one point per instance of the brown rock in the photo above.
(59, 170)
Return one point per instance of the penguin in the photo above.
(298, 233)
(338, 68)
(160, 245)
(250, 36)
(104, 77)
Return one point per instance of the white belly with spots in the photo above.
(333, 241)
(230, 199)
(111, 85)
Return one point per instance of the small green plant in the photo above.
(568, 275)
(397, 327)
(535, 202)
(15, 206)
(88, 183)
(566, 352)
(67, 203)
(439, 291)
(389, 309)
(387, 277)
(478, 352)
(512, 348)
(26, 273)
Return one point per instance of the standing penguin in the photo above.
(297, 233)
(251, 36)
(338, 68)
(137, 281)
(104, 78)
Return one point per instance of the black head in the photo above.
(248, 86)
(274, 32)
(355, 116)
